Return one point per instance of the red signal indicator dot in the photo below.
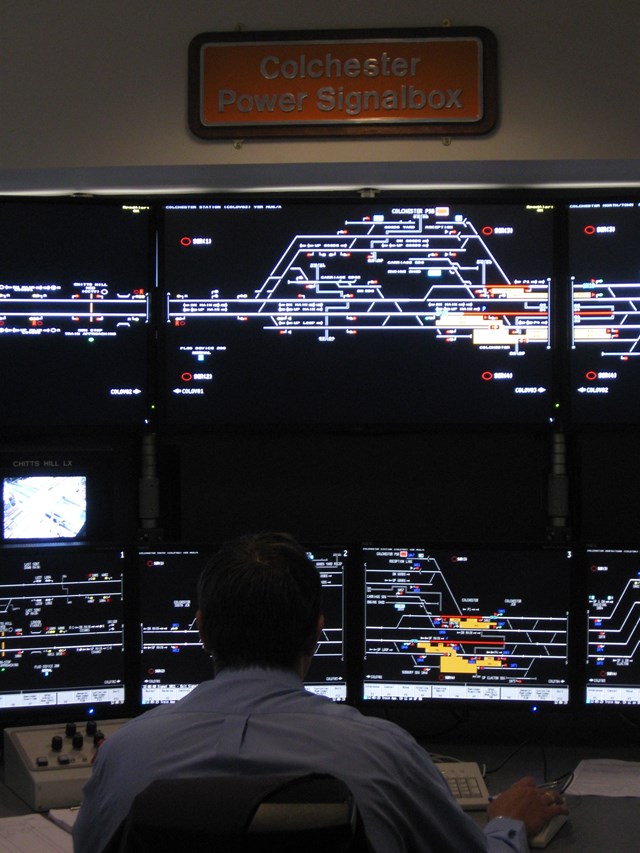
(589, 229)
(487, 376)
(591, 375)
(185, 241)
(487, 230)
(187, 377)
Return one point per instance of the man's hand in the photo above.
(533, 806)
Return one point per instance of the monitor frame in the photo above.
(95, 466)
(62, 708)
(326, 682)
(63, 310)
(178, 394)
(446, 690)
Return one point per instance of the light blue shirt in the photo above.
(264, 721)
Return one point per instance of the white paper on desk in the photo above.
(606, 777)
(33, 833)
(63, 817)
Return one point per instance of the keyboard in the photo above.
(466, 782)
(467, 785)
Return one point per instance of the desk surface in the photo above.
(595, 825)
(10, 804)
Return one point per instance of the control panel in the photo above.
(47, 766)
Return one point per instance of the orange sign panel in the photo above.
(419, 82)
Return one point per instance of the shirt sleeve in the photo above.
(412, 807)
(504, 834)
(424, 815)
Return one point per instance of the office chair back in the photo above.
(314, 813)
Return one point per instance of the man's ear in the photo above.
(199, 623)
(318, 634)
(305, 660)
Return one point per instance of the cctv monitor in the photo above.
(56, 495)
(44, 507)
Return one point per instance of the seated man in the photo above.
(260, 618)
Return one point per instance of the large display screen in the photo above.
(62, 627)
(466, 624)
(613, 635)
(604, 265)
(347, 312)
(75, 280)
(172, 659)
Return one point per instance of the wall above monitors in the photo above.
(62, 628)
(75, 280)
(463, 624)
(334, 312)
(604, 266)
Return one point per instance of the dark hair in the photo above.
(259, 597)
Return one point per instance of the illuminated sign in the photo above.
(343, 83)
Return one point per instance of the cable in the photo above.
(508, 758)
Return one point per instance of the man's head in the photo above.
(259, 603)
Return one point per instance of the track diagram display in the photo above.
(75, 282)
(466, 625)
(604, 260)
(172, 659)
(372, 312)
(613, 627)
(61, 626)
(327, 674)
